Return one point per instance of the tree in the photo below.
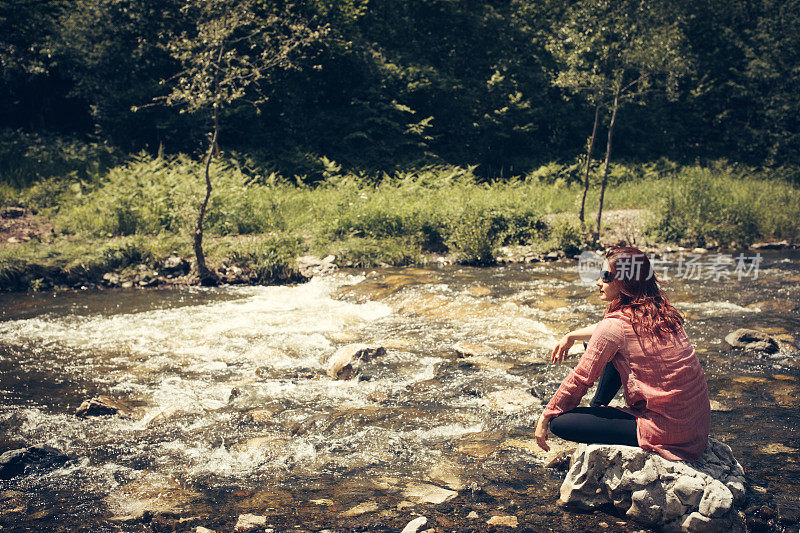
(230, 48)
(608, 51)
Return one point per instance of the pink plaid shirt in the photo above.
(662, 380)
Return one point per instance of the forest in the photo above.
(386, 84)
(281, 99)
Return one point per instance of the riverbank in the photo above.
(131, 226)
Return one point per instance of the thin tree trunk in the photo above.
(608, 159)
(206, 276)
(589, 160)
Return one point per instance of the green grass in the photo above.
(143, 210)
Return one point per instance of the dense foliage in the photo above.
(390, 84)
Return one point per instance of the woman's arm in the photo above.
(603, 344)
(563, 346)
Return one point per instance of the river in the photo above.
(233, 412)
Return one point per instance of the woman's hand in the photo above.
(542, 429)
(561, 349)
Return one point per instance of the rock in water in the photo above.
(465, 349)
(344, 363)
(507, 521)
(414, 525)
(102, 405)
(426, 493)
(249, 522)
(24, 460)
(670, 495)
(510, 400)
(752, 341)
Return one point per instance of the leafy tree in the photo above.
(608, 51)
(230, 47)
(773, 79)
(31, 84)
(112, 50)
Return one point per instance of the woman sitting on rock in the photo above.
(640, 345)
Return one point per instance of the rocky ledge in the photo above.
(668, 495)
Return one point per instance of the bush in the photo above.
(366, 253)
(26, 158)
(476, 236)
(706, 207)
(270, 259)
(150, 195)
(565, 234)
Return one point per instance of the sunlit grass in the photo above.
(144, 210)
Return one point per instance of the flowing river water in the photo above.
(233, 412)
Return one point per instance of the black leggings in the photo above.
(598, 424)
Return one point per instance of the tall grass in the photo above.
(369, 220)
(703, 207)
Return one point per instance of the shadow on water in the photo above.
(232, 411)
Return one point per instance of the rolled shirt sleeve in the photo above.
(606, 341)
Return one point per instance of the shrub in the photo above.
(566, 234)
(26, 158)
(366, 253)
(270, 259)
(708, 207)
(476, 236)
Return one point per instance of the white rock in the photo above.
(415, 524)
(717, 500)
(696, 522)
(361, 508)
(689, 489)
(510, 400)
(426, 493)
(508, 521)
(344, 363)
(201, 529)
(249, 522)
(736, 486)
(473, 515)
(670, 495)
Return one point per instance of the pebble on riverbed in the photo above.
(249, 522)
(25, 460)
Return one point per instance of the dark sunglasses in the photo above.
(607, 276)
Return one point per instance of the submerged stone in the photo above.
(510, 400)
(26, 460)
(249, 522)
(153, 494)
(671, 495)
(361, 508)
(507, 521)
(103, 405)
(752, 341)
(465, 349)
(344, 363)
(425, 493)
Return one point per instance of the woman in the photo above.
(640, 345)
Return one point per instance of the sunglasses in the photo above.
(607, 276)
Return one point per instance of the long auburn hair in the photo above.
(640, 294)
